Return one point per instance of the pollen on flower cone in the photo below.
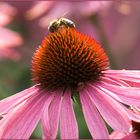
(66, 59)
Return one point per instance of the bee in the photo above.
(60, 23)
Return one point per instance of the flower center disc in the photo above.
(66, 59)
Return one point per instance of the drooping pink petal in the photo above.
(133, 115)
(128, 75)
(123, 72)
(112, 81)
(136, 110)
(45, 120)
(68, 123)
(110, 109)
(54, 112)
(10, 102)
(94, 121)
(50, 117)
(131, 78)
(20, 122)
(123, 136)
(128, 95)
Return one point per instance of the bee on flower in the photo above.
(69, 64)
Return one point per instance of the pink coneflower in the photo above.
(68, 64)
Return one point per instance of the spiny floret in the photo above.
(66, 59)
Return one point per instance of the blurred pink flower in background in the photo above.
(121, 28)
(46, 11)
(52, 10)
(8, 38)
